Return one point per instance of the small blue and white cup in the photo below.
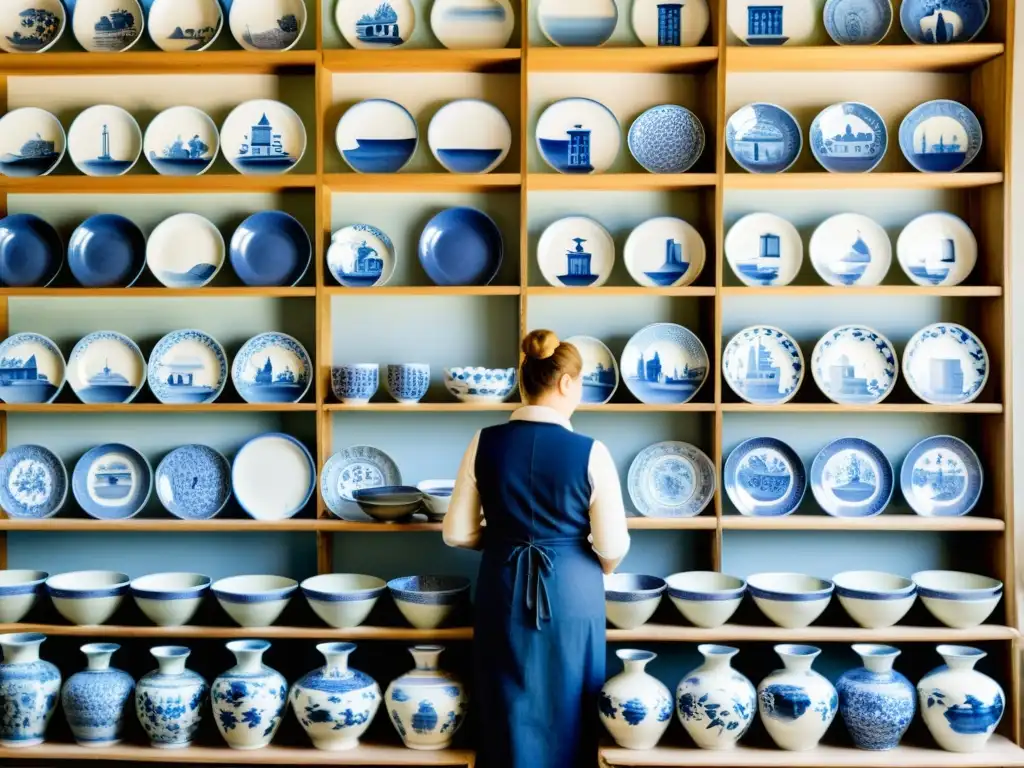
(356, 383)
(408, 382)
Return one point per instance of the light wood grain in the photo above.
(158, 62)
(156, 407)
(425, 290)
(860, 58)
(423, 60)
(691, 291)
(622, 59)
(209, 292)
(632, 182)
(972, 408)
(421, 182)
(841, 181)
(148, 632)
(909, 291)
(878, 523)
(152, 184)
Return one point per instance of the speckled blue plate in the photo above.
(193, 482)
(33, 482)
(666, 139)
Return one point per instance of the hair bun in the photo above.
(540, 344)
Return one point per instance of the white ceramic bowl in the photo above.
(630, 599)
(427, 601)
(706, 598)
(254, 601)
(18, 593)
(170, 599)
(875, 599)
(343, 600)
(791, 600)
(957, 599)
(87, 598)
(437, 494)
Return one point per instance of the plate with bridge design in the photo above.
(763, 365)
(941, 477)
(944, 363)
(854, 365)
(851, 477)
(576, 252)
(272, 368)
(664, 364)
(764, 477)
(112, 482)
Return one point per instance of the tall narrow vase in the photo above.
(28, 690)
(876, 702)
(426, 705)
(95, 699)
(169, 700)
(960, 705)
(714, 702)
(250, 698)
(797, 705)
(634, 706)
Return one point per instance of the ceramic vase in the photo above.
(169, 700)
(335, 704)
(960, 705)
(634, 706)
(250, 698)
(28, 690)
(426, 705)
(95, 699)
(797, 705)
(876, 702)
(714, 702)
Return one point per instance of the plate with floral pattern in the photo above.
(945, 363)
(671, 479)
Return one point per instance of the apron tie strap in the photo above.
(533, 562)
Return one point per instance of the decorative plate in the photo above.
(600, 371)
(184, 25)
(270, 248)
(949, 21)
(854, 365)
(764, 477)
(193, 482)
(461, 246)
(377, 136)
(664, 252)
(263, 137)
(107, 250)
(181, 141)
(104, 141)
(764, 249)
(31, 252)
(32, 143)
(671, 479)
(670, 24)
(106, 367)
(666, 139)
(370, 24)
(784, 22)
(945, 363)
(937, 249)
(33, 482)
(112, 482)
(576, 252)
(763, 365)
(273, 476)
(31, 369)
(267, 25)
(848, 137)
(940, 136)
(108, 26)
(185, 251)
(664, 363)
(578, 136)
(469, 136)
(30, 26)
(941, 477)
(851, 249)
(187, 366)
(763, 138)
(355, 468)
(857, 22)
(851, 477)
(572, 23)
(361, 256)
(472, 24)
(272, 368)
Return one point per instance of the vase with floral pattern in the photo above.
(250, 698)
(95, 699)
(960, 705)
(714, 702)
(634, 706)
(876, 702)
(29, 688)
(426, 705)
(796, 704)
(170, 700)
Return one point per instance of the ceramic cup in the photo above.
(355, 383)
(630, 599)
(408, 382)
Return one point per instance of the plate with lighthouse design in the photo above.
(940, 136)
(181, 141)
(951, 21)
(664, 364)
(937, 249)
(941, 477)
(361, 256)
(272, 368)
(851, 477)
(578, 135)
(576, 252)
(660, 24)
(764, 250)
(32, 369)
(187, 366)
(263, 137)
(945, 364)
(854, 365)
(32, 143)
(469, 136)
(763, 138)
(764, 477)
(375, 24)
(107, 26)
(664, 252)
(848, 137)
(851, 249)
(600, 371)
(781, 22)
(106, 367)
(104, 141)
(763, 365)
(112, 482)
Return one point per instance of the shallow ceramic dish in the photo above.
(941, 477)
(684, 25)
(763, 365)
(875, 599)
(107, 251)
(19, 590)
(256, 600)
(664, 363)
(469, 136)
(461, 246)
(34, 368)
(361, 256)
(671, 479)
(87, 598)
(857, 22)
(427, 601)
(576, 252)
(32, 142)
(437, 495)
(270, 248)
(170, 150)
(31, 26)
(664, 252)
(574, 24)
(786, 22)
(355, 383)
(342, 600)
(578, 135)
(957, 599)
(31, 252)
(854, 365)
(848, 137)
(763, 138)
(272, 368)
(600, 371)
(408, 382)
(352, 469)
(106, 367)
(185, 251)
(187, 366)
(193, 482)
(112, 481)
(630, 599)
(170, 599)
(940, 136)
(375, 24)
(267, 25)
(389, 503)
(666, 139)
(790, 600)
(273, 476)
(961, 20)
(377, 136)
(480, 385)
(851, 477)
(472, 24)
(184, 25)
(764, 250)
(945, 363)
(706, 598)
(764, 477)
(937, 249)
(33, 482)
(104, 141)
(851, 249)
(263, 137)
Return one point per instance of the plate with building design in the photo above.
(854, 365)
(361, 256)
(851, 477)
(32, 369)
(263, 137)
(764, 477)
(664, 364)
(107, 26)
(30, 26)
(780, 22)
(937, 249)
(763, 138)
(851, 249)
(267, 25)
(664, 252)
(106, 367)
(33, 482)
(600, 371)
(576, 252)
(187, 366)
(940, 136)
(32, 143)
(660, 24)
(671, 479)
(272, 368)
(763, 365)
(184, 25)
(375, 24)
(945, 364)
(941, 477)
(578, 135)
(848, 137)
(764, 250)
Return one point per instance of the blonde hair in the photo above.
(545, 361)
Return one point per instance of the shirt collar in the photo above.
(542, 414)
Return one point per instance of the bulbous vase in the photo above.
(714, 702)
(634, 706)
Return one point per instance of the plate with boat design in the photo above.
(764, 477)
(940, 136)
(576, 252)
(107, 251)
(361, 256)
(578, 135)
(273, 476)
(112, 482)
(851, 477)
(600, 371)
(32, 143)
(263, 137)
(469, 136)
(763, 138)
(31, 26)
(375, 24)
(941, 477)
(764, 250)
(107, 26)
(267, 25)
(184, 25)
(944, 363)
(33, 482)
(32, 369)
(31, 251)
(272, 368)
(854, 365)
(181, 141)
(937, 249)
(193, 482)
(352, 469)
(671, 479)
(270, 248)
(472, 24)
(185, 251)
(104, 141)
(106, 367)
(664, 364)
(851, 249)
(763, 365)
(377, 136)
(187, 366)
(664, 252)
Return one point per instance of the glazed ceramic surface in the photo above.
(764, 477)
(786, 22)
(666, 139)
(576, 252)
(851, 477)
(19, 590)
(634, 706)
(106, 367)
(355, 383)
(342, 600)
(945, 363)
(104, 141)
(427, 601)
(31, 26)
(267, 25)
(472, 24)
(270, 248)
(949, 21)
(272, 368)
(375, 24)
(960, 705)
(181, 141)
(106, 251)
(29, 689)
(630, 599)
(763, 138)
(796, 704)
(263, 137)
(764, 250)
(664, 252)
(460, 246)
(578, 135)
(874, 599)
(376, 135)
(940, 136)
(353, 468)
(876, 702)
(361, 256)
(671, 479)
(763, 365)
(571, 23)
(474, 384)
(170, 701)
(857, 22)
(851, 249)
(31, 251)
(848, 137)
(187, 366)
(854, 365)
(273, 476)
(249, 699)
(254, 601)
(87, 598)
(790, 600)
(390, 503)
(706, 598)
(185, 251)
(426, 705)
(437, 495)
(170, 599)
(33, 482)
(714, 702)
(184, 25)
(193, 482)
(664, 363)
(600, 371)
(660, 24)
(408, 382)
(937, 249)
(31, 369)
(112, 482)
(95, 699)
(957, 599)
(32, 142)
(941, 477)
(469, 136)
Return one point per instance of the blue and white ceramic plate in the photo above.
(600, 371)
(664, 364)
(671, 479)
(272, 368)
(946, 21)
(764, 249)
(940, 136)
(937, 249)
(576, 252)
(472, 24)
(375, 24)
(112, 482)
(268, 25)
(857, 22)
(851, 477)
(33, 482)
(571, 23)
(31, 252)
(461, 246)
(945, 363)
(361, 256)
(764, 477)
(351, 470)
(666, 139)
(763, 138)
(578, 136)
(32, 143)
(854, 365)
(104, 141)
(664, 252)
(270, 248)
(187, 366)
(763, 365)
(377, 136)
(107, 26)
(784, 22)
(848, 137)
(659, 24)
(107, 251)
(31, 369)
(941, 477)
(469, 136)
(30, 26)
(851, 249)
(193, 482)
(181, 141)
(106, 367)
(273, 476)
(185, 251)
(263, 137)
(184, 25)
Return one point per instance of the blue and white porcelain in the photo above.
(857, 22)
(461, 246)
(352, 469)
(31, 26)
(249, 699)
(342, 600)
(33, 482)
(937, 249)
(851, 249)
(104, 141)
(272, 368)
(667, 138)
(87, 598)
(948, 21)
(355, 383)
(106, 367)
(270, 25)
(634, 706)
(790, 600)
(659, 24)
(851, 477)
(764, 477)
(875, 599)
(31, 369)
(256, 600)
(764, 249)
(576, 252)
(472, 24)
(960, 705)
(945, 363)
(375, 24)
(107, 250)
(763, 138)
(784, 22)
(665, 364)
(181, 141)
(940, 136)
(876, 702)
(170, 701)
(848, 137)
(664, 252)
(29, 690)
(578, 135)
(31, 251)
(95, 699)
(941, 477)
(571, 23)
(600, 371)
(184, 25)
(390, 503)
(185, 251)
(273, 476)
(376, 135)
(19, 590)
(958, 599)
(796, 704)
(408, 382)
(170, 599)
(263, 137)
(112, 481)
(426, 602)
(714, 702)
(630, 599)
(270, 248)
(426, 705)
(437, 496)
(32, 143)
(187, 366)
(706, 598)
(105, 26)
(763, 365)
(854, 365)
(474, 384)
(671, 479)
(361, 256)
(469, 136)
(193, 482)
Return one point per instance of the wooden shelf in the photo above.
(273, 633)
(846, 181)
(160, 292)
(613, 182)
(952, 291)
(146, 183)
(884, 407)
(647, 408)
(422, 407)
(860, 58)
(877, 523)
(425, 290)
(737, 633)
(165, 524)
(621, 59)
(155, 407)
(423, 60)
(705, 522)
(157, 62)
(694, 291)
(421, 182)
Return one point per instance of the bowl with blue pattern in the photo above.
(875, 599)
(87, 598)
(342, 600)
(170, 599)
(437, 495)
(408, 382)
(255, 600)
(473, 384)
(355, 383)
(427, 601)
(706, 598)
(790, 600)
(630, 599)
(958, 599)
(19, 590)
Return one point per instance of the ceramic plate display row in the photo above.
(671, 479)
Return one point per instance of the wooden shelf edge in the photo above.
(421, 60)
(160, 292)
(421, 182)
(151, 62)
(823, 58)
(629, 182)
(409, 634)
(147, 183)
(955, 291)
(876, 523)
(421, 407)
(969, 408)
(620, 59)
(425, 290)
(156, 408)
(620, 290)
(845, 181)
(135, 525)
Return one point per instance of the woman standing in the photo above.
(555, 521)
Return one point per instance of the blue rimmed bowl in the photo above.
(256, 600)
(427, 601)
(18, 592)
(706, 598)
(87, 598)
(170, 599)
(875, 599)
(342, 600)
(958, 599)
(790, 600)
(480, 385)
(389, 503)
(630, 599)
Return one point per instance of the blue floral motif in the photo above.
(634, 711)
(699, 709)
(228, 719)
(28, 697)
(452, 690)
(252, 717)
(452, 723)
(876, 707)
(94, 701)
(399, 694)
(785, 702)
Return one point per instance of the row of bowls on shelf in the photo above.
(407, 383)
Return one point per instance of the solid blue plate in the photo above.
(270, 248)
(764, 478)
(941, 477)
(193, 482)
(940, 136)
(461, 246)
(31, 252)
(666, 139)
(272, 368)
(112, 482)
(851, 477)
(848, 137)
(952, 21)
(106, 251)
(33, 482)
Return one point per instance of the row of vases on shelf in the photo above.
(716, 704)
(335, 704)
